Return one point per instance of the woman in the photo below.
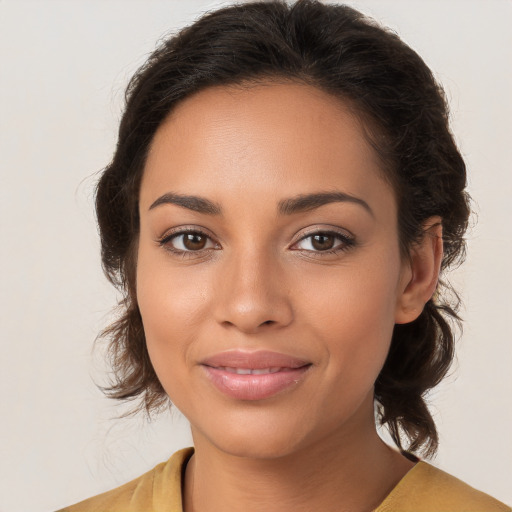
(283, 198)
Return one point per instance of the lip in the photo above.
(273, 372)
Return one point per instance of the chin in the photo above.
(259, 435)
(252, 436)
(263, 448)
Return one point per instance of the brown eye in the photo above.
(194, 241)
(323, 242)
(188, 241)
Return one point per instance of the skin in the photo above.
(259, 284)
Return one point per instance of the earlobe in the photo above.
(420, 280)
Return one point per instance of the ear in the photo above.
(420, 273)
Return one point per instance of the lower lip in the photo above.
(254, 387)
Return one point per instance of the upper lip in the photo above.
(253, 360)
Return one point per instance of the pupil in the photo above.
(323, 242)
(194, 241)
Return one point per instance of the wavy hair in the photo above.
(338, 50)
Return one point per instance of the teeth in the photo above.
(250, 371)
(260, 371)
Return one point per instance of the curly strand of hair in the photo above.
(419, 358)
(132, 375)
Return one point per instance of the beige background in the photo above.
(63, 67)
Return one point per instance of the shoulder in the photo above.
(426, 488)
(161, 485)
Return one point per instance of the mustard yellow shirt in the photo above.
(423, 489)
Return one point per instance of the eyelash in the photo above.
(347, 242)
(165, 242)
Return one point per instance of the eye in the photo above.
(188, 241)
(324, 241)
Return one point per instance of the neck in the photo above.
(347, 471)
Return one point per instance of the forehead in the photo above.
(271, 140)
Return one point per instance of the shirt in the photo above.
(424, 488)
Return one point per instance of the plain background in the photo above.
(64, 65)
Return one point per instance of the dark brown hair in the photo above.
(339, 50)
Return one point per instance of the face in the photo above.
(269, 270)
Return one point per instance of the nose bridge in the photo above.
(253, 290)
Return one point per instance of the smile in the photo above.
(254, 376)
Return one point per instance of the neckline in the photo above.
(395, 492)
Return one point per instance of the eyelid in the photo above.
(325, 229)
(165, 239)
(347, 238)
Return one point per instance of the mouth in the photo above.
(254, 375)
(251, 371)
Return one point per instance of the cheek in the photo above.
(169, 300)
(172, 307)
(353, 310)
(352, 298)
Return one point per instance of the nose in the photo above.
(252, 294)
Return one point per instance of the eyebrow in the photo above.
(290, 206)
(305, 202)
(195, 203)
